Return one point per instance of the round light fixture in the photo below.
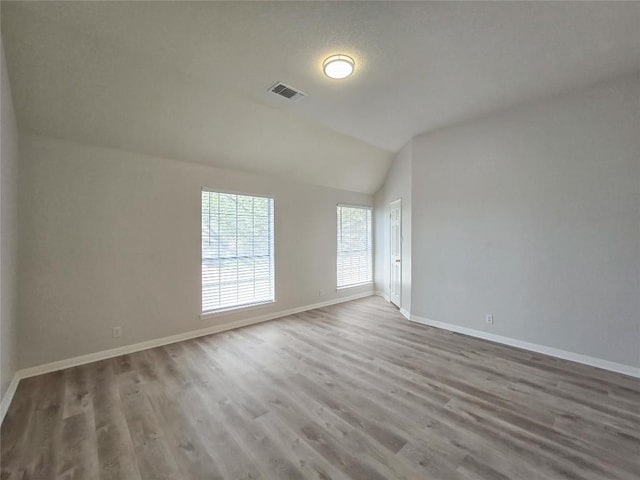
(338, 66)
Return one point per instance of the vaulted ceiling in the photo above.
(188, 80)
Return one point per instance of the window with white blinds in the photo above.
(354, 246)
(237, 251)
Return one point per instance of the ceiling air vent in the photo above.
(287, 92)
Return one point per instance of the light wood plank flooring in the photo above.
(352, 391)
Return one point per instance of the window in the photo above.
(237, 251)
(354, 246)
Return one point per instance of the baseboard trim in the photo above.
(533, 347)
(383, 295)
(403, 311)
(8, 396)
(158, 342)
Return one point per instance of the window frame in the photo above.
(371, 252)
(244, 306)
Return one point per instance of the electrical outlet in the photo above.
(489, 319)
(116, 332)
(320, 293)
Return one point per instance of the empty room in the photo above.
(320, 240)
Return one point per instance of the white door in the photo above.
(396, 253)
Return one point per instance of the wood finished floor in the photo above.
(352, 391)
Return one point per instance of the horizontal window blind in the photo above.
(237, 250)
(354, 246)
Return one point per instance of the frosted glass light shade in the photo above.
(338, 66)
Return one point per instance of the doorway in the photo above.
(395, 282)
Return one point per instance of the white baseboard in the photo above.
(8, 396)
(136, 347)
(157, 342)
(554, 352)
(383, 295)
(403, 311)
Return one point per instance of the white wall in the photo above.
(8, 233)
(534, 216)
(397, 185)
(113, 238)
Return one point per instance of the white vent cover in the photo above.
(286, 92)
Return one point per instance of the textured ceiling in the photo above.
(188, 80)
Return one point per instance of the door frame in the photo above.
(392, 260)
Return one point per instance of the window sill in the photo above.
(355, 285)
(222, 311)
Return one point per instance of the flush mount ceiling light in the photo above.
(338, 66)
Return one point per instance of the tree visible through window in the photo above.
(354, 266)
(237, 250)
